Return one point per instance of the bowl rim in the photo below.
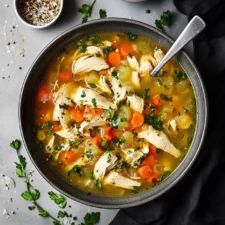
(38, 26)
(170, 184)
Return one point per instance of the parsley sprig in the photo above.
(165, 20)
(86, 11)
(32, 194)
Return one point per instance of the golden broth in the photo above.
(169, 107)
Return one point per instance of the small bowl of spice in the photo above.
(38, 13)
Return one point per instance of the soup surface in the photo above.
(104, 123)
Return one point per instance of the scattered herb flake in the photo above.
(81, 46)
(165, 97)
(77, 170)
(15, 144)
(165, 20)
(155, 121)
(94, 102)
(91, 218)
(86, 11)
(102, 13)
(179, 75)
(132, 36)
(58, 199)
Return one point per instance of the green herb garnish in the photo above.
(94, 102)
(15, 144)
(107, 50)
(165, 20)
(77, 170)
(94, 39)
(132, 36)
(91, 218)
(86, 11)
(164, 176)
(155, 121)
(165, 97)
(179, 75)
(102, 13)
(145, 94)
(83, 94)
(58, 199)
(81, 46)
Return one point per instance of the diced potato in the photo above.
(41, 135)
(125, 73)
(128, 136)
(126, 112)
(184, 121)
(92, 78)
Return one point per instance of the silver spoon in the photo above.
(194, 27)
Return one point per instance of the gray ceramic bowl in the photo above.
(26, 106)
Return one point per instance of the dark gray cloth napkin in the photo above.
(199, 198)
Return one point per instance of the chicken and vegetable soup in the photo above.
(104, 123)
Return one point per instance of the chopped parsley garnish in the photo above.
(107, 50)
(123, 119)
(81, 46)
(179, 75)
(86, 11)
(58, 199)
(92, 85)
(113, 120)
(155, 121)
(165, 97)
(164, 176)
(102, 13)
(145, 94)
(83, 94)
(77, 170)
(189, 141)
(91, 218)
(94, 102)
(165, 20)
(132, 36)
(115, 74)
(58, 147)
(94, 39)
(15, 144)
(125, 165)
(119, 142)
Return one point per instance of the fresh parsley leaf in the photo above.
(119, 142)
(76, 169)
(27, 196)
(42, 212)
(91, 218)
(56, 222)
(145, 94)
(107, 50)
(15, 144)
(94, 39)
(164, 176)
(132, 36)
(62, 214)
(93, 100)
(155, 121)
(86, 11)
(58, 199)
(165, 20)
(102, 13)
(81, 46)
(179, 75)
(165, 97)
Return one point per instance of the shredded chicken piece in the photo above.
(106, 162)
(89, 63)
(114, 178)
(145, 65)
(102, 85)
(96, 122)
(118, 90)
(68, 133)
(133, 63)
(158, 54)
(159, 139)
(136, 103)
(86, 96)
(135, 79)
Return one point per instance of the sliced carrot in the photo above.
(65, 76)
(157, 101)
(144, 171)
(96, 139)
(93, 111)
(115, 42)
(56, 127)
(109, 133)
(126, 49)
(43, 94)
(150, 160)
(67, 157)
(153, 149)
(137, 120)
(114, 59)
(77, 114)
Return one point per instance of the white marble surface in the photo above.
(13, 68)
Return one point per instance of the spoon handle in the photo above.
(194, 27)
